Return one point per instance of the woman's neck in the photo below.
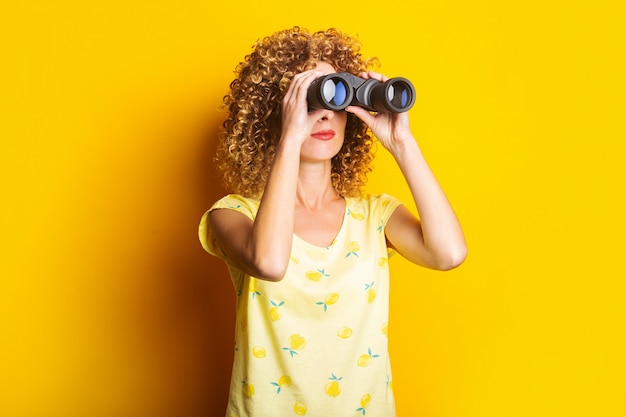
(315, 187)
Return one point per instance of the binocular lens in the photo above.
(335, 92)
(399, 95)
(332, 91)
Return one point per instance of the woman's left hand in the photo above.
(390, 129)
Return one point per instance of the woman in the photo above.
(306, 249)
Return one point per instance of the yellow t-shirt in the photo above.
(315, 343)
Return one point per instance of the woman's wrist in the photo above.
(403, 146)
(288, 146)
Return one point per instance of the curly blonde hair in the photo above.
(247, 145)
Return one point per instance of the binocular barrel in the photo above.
(340, 90)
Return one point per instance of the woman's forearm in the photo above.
(272, 232)
(443, 237)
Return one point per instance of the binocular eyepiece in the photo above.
(340, 90)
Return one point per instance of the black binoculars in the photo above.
(340, 90)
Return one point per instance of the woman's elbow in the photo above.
(452, 259)
(269, 270)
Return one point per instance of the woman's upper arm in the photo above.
(230, 231)
(405, 234)
(233, 236)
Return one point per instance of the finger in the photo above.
(378, 76)
(302, 81)
(296, 81)
(306, 76)
(299, 86)
(362, 114)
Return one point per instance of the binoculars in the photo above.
(340, 90)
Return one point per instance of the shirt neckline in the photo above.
(315, 248)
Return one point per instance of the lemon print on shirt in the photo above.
(283, 382)
(344, 332)
(383, 262)
(329, 300)
(299, 408)
(353, 249)
(332, 388)
(248, 389)
(384, 329)
(259, 352)
(356, 215)
(316, 275)
(275, 311)
(370, 294)
(252, 288)
(365, 401)
(296, 343)
(366, 358)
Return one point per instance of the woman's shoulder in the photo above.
(373, 201)
(376, 207)
(246, 205)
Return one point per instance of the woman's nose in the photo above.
(326, 115)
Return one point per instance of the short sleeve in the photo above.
(246, 206)
(384, 206)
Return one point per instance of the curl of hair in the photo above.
(247, 145)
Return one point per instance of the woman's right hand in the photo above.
(295, 107)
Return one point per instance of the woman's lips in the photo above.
(324, 134)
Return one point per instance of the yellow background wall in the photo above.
(109, 307)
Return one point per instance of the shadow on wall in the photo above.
(160, 312)
(184, 307)
(201, 319)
